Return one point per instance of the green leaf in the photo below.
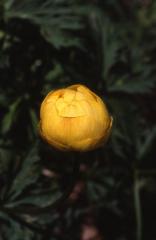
(56, 19)
(14, 230)
(40, 200)
(132, 86)
(146, 147)
(34, 120)
(109, 46)
(60, 38)
(5, 156)
(53, 74)
(27, 175)
(10, 117)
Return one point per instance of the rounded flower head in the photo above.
(74, 118)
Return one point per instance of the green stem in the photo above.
(137, 205)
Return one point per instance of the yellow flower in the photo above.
(74, 118)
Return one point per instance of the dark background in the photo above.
(110, 46)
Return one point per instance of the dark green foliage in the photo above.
(110, 46)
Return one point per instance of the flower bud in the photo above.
(74, 118)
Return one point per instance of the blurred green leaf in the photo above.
(40, 200)
(56, 19)
(27, 175)
(148, 145)
(5, 156)
(10, 117)
(34, 121)
(132, 86)
(55, 73)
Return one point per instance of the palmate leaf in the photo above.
(57, 19)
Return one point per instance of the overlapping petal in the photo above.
(74, 118)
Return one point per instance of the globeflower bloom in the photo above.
(74, 119)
